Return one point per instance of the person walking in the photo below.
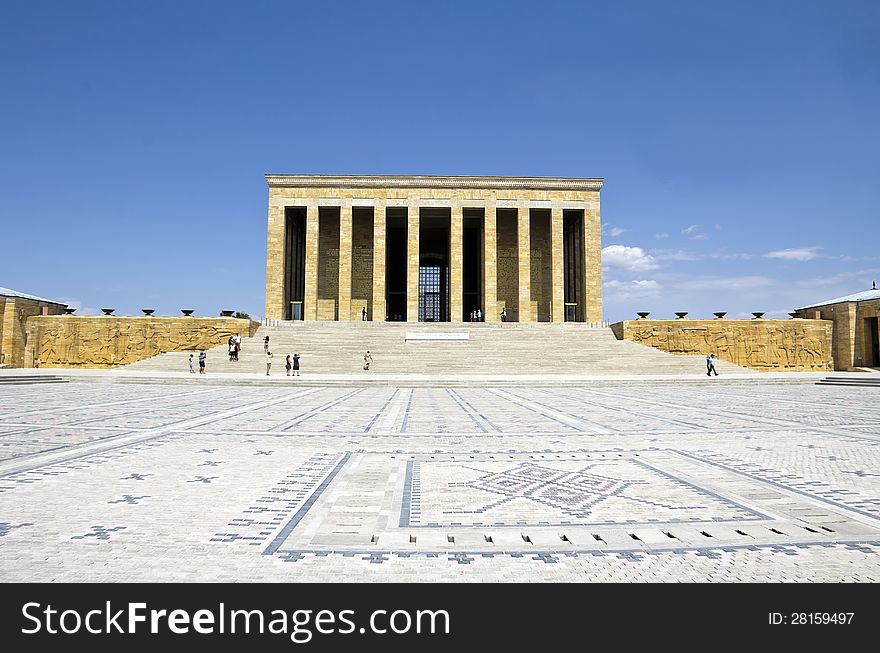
(710, 365)
(364, 314)
(203, 357)
(296, 364)
(479, 315)
(266, 344)
(368, 359)
(504, 315)
(287, 364)
(231, 349)
(268, 361)
(192, 364)
(237, 343)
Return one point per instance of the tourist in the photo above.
(479, 315)
(237, 341)
(710, 365)
(287, 364)
(266, 344)
(268, 361)
(368, 358)
(192, 363)
(504, 315)
(231, 349)
(202, 358)
(364, 314)
(296, 364)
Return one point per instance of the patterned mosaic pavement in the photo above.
(605, 482)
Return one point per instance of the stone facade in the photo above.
(767, 345)
(109, 341)
(15, 311)
(856, 331)
(520, 266)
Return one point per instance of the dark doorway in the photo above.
(433, 291)
(395, 265)
(434, 265)
(573, 265)
(472, 263)
(873, 341)
(294, 262)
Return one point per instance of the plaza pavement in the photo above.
(174, 478)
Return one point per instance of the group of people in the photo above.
(477, 316)
(192, 362)
(234, 346)
(291, 363)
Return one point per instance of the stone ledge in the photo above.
(429, 181)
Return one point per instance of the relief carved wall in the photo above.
(103, 342)
(767, 345)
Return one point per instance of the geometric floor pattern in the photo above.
(635, 481)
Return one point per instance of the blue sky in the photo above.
(740, 141)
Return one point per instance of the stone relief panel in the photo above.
(795, 345)
(102, 342)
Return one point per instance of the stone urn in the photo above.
(680, 315)
(719, 315)
(148, 311)
(226, 313)
(69, 311)
(108, 311)
(643, 315)
(187, 312)
(758, 316)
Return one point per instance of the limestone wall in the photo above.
(109, 341)
(766, 345)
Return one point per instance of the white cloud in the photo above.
(634, 259)
(614, 232)
(693, 232)
(637, 288)
(725, 283)
(80, 309)
(794, 253)
(661, 235)
(676, 255)
(689, 255)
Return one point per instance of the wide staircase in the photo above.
(490, 349)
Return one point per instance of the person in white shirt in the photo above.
(268, 361)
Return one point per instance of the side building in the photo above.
(433, 249)
(856, 320)
(16, 308)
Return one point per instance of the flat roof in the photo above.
(9, 292)
(434, 181)
(855, 297)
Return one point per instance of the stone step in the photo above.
(508, 349)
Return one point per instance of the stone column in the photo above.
(490, 265)
(310, 301)
(275, 309)
(456, 277)
(557, 261)
(378, 307)
(524, 262)
(412, 263)
(593, 263)
(343, 302)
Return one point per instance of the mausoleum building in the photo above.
(433, 249)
